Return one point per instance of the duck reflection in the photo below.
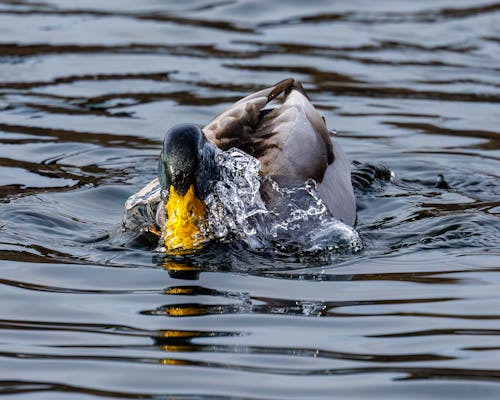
(214, 258)
(181, 270)
(209, 347)
(216, 302)
(178, 341)
(188, 300)
(181, 341)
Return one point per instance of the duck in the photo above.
(278, 126)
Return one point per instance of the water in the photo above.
(87, 90)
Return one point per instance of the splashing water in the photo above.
(234, 204)
(298, 222)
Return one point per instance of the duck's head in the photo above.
(186, 169)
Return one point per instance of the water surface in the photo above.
(87, 90)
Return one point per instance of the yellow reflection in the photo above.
(180, 270)
(177, 266)
(179, 334)
(181, 342)
(184, 311)
(177, 348)
(172, 361)
(180, 291)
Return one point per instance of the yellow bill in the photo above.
(185, 221)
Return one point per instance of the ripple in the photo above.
(87, 90)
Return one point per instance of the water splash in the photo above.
(296, 222)
(234, 205)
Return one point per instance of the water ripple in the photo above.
(87, 90)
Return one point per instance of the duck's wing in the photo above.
(237, 124)
(291, 142)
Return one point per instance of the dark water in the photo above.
(87, 90)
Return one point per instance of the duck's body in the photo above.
(291, 142)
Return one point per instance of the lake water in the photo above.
(88, 89)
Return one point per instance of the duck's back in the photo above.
(291, 142)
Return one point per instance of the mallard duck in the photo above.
(290, 140)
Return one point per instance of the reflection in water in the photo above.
(181, 270)
(87, 90)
